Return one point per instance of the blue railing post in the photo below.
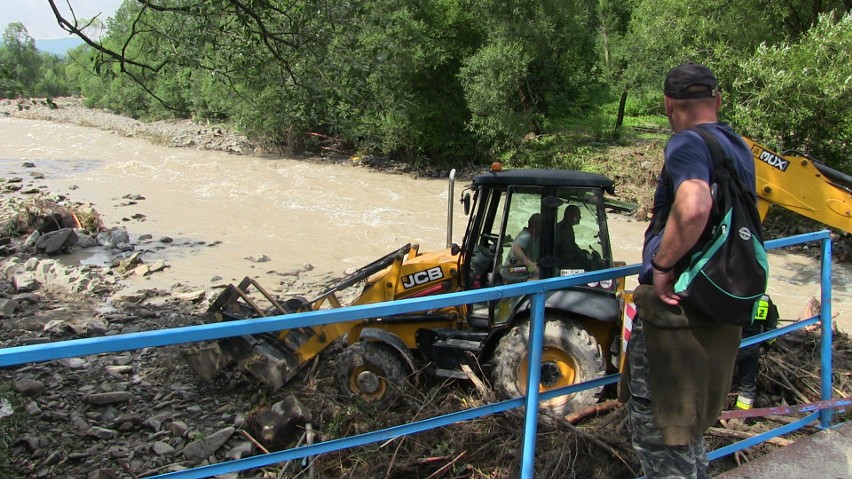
(536, 341)
(825, 318)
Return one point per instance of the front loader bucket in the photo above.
(256, 354)
(263, 357)
(275, 358)
(206, 361)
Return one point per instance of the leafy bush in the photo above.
(797, 95)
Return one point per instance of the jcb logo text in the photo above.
(421, 277)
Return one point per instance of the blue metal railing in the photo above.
(538, 289)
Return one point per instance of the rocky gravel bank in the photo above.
(176, 133)
(127, 414)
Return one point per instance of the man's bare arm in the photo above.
(686, 222)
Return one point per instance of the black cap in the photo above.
(681, 78)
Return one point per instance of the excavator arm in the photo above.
(803, 186)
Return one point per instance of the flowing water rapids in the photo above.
(221, 208)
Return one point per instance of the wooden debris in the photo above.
(593, 410)
(740, 435)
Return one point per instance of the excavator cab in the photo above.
(526, 225)
(556, 218)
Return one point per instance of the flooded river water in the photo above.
(221, 209)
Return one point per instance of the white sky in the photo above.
(38, 17)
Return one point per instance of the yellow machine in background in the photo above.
(803, 186)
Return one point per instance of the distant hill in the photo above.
(59, 46)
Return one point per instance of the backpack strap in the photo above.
(716, 155)
(659, 220)
(725, 177)
(723, 165)
(717, 158)
(722, 173)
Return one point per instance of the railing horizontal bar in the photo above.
(836, 403)
(774, 333)
(210, 331)
(593, 383)
(797, 239)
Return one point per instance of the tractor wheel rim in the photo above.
(558, 369)
(367, 383)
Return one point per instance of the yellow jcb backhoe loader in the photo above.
(581, 322)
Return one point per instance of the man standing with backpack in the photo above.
(681, 359)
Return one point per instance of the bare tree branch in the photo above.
(71, 27)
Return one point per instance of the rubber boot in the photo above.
(744, 402)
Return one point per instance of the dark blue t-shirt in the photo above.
(686, 158)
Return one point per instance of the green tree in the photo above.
(433, 80)
(402, 78)
(664, 33)
(20, 60)
(613, 20)
(51, 77)
(798, 94)
(783, 66)
(379, 75)
(549, 68)
(493, 80)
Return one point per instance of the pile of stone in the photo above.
(176, 133)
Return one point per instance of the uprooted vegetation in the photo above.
(23, 215)
(597, 446)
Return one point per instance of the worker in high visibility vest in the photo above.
(748, 358)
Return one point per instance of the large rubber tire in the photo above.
(570, 355)
(371, 371)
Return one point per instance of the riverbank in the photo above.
(173, 133)
(633, 169)
(188, 133)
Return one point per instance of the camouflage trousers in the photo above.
(658, 460)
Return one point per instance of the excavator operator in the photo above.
(567, 249)
(522, 261)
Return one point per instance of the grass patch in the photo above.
(632, 156)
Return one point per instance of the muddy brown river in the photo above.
(221, 209)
